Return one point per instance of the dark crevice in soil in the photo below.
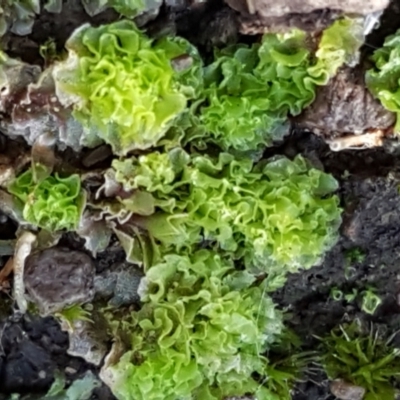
(32, 348)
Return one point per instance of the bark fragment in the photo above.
(260, 16)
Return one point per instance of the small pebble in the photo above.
(346, 391)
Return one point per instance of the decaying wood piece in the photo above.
(273, 8)
(22, 251)
(346, 114)
(357, 142)
(260, 16)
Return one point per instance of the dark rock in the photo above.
(58, 277)
(207, 25)
(28, 366)
(32, 349)
(27, 355)
(88, 340)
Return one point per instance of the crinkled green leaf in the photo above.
(159, 377)
(250, 91)
(283, 66)
(121, 82)
(237, 112)
(383, 80)
(153, 172)
(194, 332)
(277, 215)
(339, 45)
(53, 203)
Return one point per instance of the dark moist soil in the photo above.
(366, 255)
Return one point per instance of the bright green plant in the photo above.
(287, 364)
(277, 215)
(350, 297)
(250, 91)
(122, 83)
(337, 294)
(72, 314)
(195, 335)
(363, 359)
(371, 301)
(351, 257)
(383, 79)
(52, 203)
(339, 45)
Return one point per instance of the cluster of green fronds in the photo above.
(339, 45)
(362, 358)
(250, 91)
(130, 87)
(384, 79)
(52, 203)
(195, 218)
(277, 216)
(197, 335)
(122, 84)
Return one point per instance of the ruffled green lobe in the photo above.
(120, 83)
(250, 91)
(339, 45)
(195, 333)
(383, 80)
(278, 215)
(53, 203)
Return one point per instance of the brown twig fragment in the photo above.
(357, 142)
(22, 251)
